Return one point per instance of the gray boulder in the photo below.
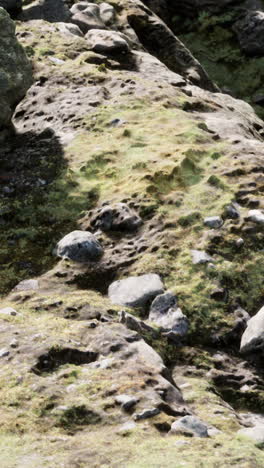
(255, 216)
(165, 313)
(191, 426)
(79, 246)
(253, 337)
(213, 222)
(87, 16)
(136, 291)
(15, 72)
(107, 42)
(116, 217)
(199, 257)
(107, 13)
(250, 33)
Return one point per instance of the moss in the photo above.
(78, 416)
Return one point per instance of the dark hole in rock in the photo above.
(57, 357)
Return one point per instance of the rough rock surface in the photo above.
(148, 132)
(137, 291)
(253, 337)
(79, 246)
(250, 33)
(15, 71)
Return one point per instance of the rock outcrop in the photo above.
(15, 71)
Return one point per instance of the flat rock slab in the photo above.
(136, 291)
(104, 42)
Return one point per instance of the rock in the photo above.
(87, 16)
(191, 426)
(219, 294)
(8, 311)
(250, 33)
(107, 42)
(165, 313)
(126, 401)
(232, 211)
(199, 257)
(12, 6)
(255, 433)
(136, 291)
(213, 222)
(133, 323)
(126, 428)
(4, 352)
(70, 29)
(15, 72)
(13, 343)
(253, 337)
(146, 414)
(116, 217)
(27, 285)
(107, 13)
(255, 216)
(79, 246)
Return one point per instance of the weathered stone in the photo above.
(107, 42)
(191, 426)
(27, 285)
(250, 33)
(213, 222)
(70, 29)
(116, 217)
(126, 401)
(87, 16)
(107, 13)
(136, 291)
(15, 72)
(79, 246)
(8, 311)
(165, 313)
(255, 216)
(4, 352)
(253, 337)
(232, 211)
(199, 257)
(146, 414)
(255, 433)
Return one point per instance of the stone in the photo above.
(27, 285)
(250, 33)
(213, 222)
(165, 314)
(191, 426)
(79, 246)
(87, 16)
(107, 42)
(255, 433)
(255, 216)
(136, 291)
(146, 414)
(133, 323)
(4, 352)
(8, 311)
(126, 428)
(116, 217)
(15, 72)
(70, 29)
(200, 257)
(107, 13)
(126, 401)
(253, 337)
(232, 211)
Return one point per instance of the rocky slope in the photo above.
(131, 249)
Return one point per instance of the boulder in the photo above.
(255, 216)
(165, 313)
(107, 42)
(253, 337)
(199, 257)
(255, 433)
(15, 72)
(250, 33)
(190, 426)
(79, 246)
(87, 16)
(213, 222)
(136, 291)
(116, 217)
